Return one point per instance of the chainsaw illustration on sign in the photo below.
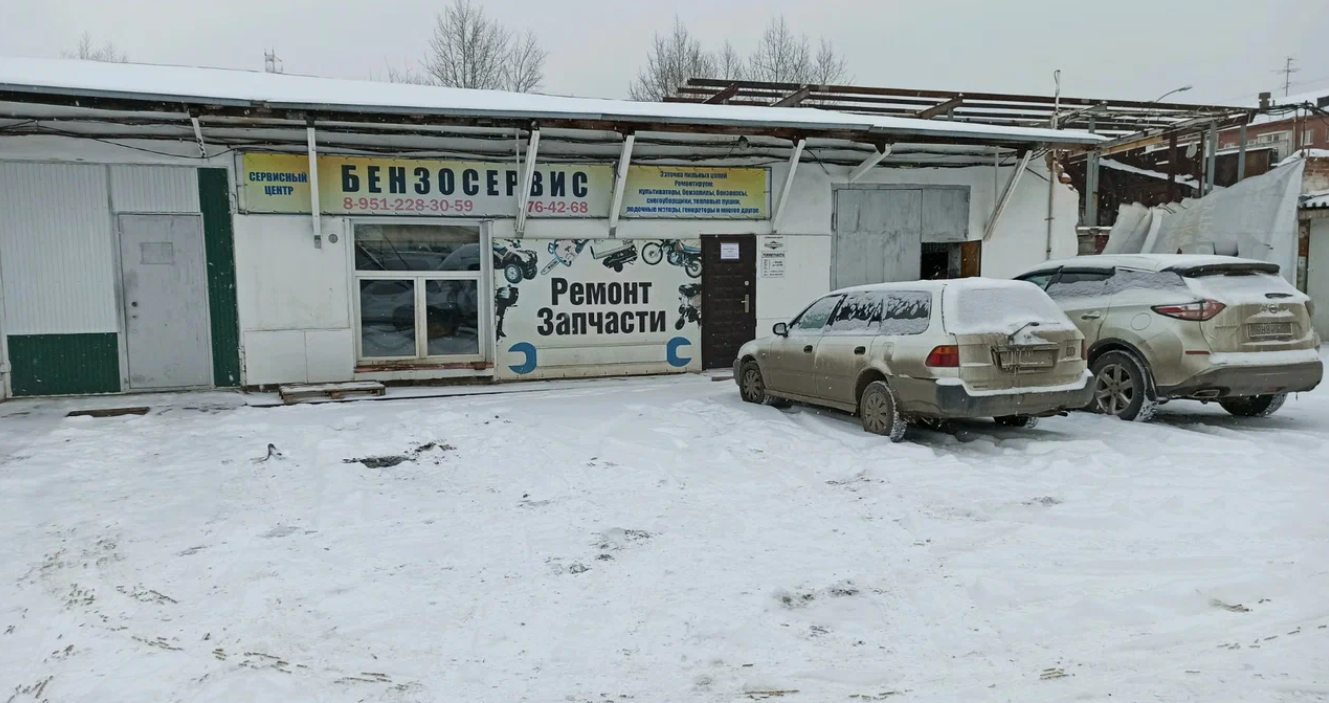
(563, 251)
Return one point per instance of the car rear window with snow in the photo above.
(1000, 307)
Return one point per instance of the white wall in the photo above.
(294, 300)
(57, 246)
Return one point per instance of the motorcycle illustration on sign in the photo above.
(678, 252)
(517, 264)
(614, 253)
(689, 308)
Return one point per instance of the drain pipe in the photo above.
(4, 340)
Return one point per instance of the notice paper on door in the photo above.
(729, 251)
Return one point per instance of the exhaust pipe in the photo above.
(1202, 395)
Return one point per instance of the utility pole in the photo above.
(271, 64)
(1287, 72)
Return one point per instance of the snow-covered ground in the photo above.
(657, 540)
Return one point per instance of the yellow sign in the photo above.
(691, 191)
(355, 185)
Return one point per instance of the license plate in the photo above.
(1025, 358)
(1270, 329)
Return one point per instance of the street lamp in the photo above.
(1182, 89)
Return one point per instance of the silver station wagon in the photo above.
(923, 350)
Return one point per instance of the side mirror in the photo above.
(781, 329)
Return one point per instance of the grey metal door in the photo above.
(165, 297)
(878, 236)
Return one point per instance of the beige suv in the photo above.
(1208, 328)
(923, 350)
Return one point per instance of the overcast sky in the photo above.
(1134, 49)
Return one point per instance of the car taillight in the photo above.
(1198, 311)
(946, 357)
(1310, 308)
(1084, 349)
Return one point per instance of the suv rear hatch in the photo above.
(1261, 311)
(1011, 336)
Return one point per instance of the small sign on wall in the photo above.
(772, 257)
(729, 251)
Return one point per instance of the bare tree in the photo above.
(785, 57)
(471, 50)
(729, 64)
(829, 67)
(525, 67)
(781, 55)
(671, 61)
(87, 52)
(406, 75)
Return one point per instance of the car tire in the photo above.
(752, 385)
(1255, 405)
(878, 410)
(1028, 422)
(1122, 387)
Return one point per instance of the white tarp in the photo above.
(1255, 219)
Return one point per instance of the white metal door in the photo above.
(164, 279)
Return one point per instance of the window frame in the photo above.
(793, 324)
(483, 279)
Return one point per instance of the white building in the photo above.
(161, 227)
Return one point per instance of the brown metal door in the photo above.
(728, 297)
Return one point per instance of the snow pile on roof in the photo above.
(1305, 154)
(243, 88)
(1315, 201)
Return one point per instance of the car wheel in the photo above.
(1028, 422)
(752, 385)
(1121, 387)
(1255, 405)
(879, 411)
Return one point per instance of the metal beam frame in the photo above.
(943, 108)
(788, 185)
(620, 182)
(527, 176)
(793, 99)
(198, 135)
(1006, 194)
(315, 209)
(868, 163)
(724, 95)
